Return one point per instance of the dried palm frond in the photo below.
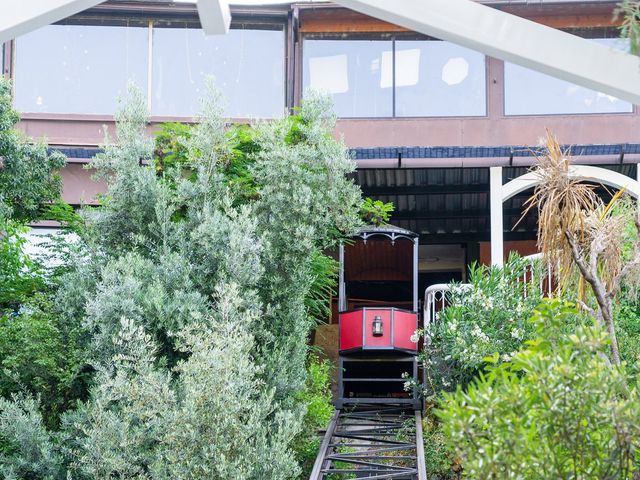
(563, 205)
(605, 234)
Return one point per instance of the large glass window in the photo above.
(432, 78)
(439, 79)
(528, 92)
(357, 74)
(77, 68)
(247, 65)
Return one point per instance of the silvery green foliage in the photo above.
(158, 296)
(216, 420)
(27, 449)
(226, 425)
(134, 192)
(305, 197)
(204, 293)
(208, 143)
(224, 245)
(117, 432)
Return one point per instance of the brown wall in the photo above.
(522, 247)
(78, 187)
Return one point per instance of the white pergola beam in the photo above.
(514, 39)
(18, 17)
(215, 16)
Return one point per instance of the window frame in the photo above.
(587, 33)
(110, 15)
(393, 37)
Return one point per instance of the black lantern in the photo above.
(377, 326)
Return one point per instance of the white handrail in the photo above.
(546, 275)
(434, 295)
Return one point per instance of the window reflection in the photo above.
(248, 66)
(439, 79)
(357, 74)
(77, 68)
(528, 92)
(432, 78)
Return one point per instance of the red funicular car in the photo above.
(378, 310)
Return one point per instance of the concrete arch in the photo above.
(500, 193)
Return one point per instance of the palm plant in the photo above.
(578, 231)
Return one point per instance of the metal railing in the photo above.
(435, 299)
(436, 296)
(545, 280)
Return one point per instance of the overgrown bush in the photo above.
(20, 276)
(556, 409)
(42, 356)
(486, 316)
(28, 173)
(27, 449)
(628, 327)
(318, 400)
(196, 284)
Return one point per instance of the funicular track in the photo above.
(372, 441)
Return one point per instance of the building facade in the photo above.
(425, 119)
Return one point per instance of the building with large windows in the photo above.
(425, 119)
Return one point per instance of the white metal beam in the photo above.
(514, 39)
(215, 16)
(18, 17)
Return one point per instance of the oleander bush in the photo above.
(557, 409)
(487, 315)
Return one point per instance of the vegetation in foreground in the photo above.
(172, 340)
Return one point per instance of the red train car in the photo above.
(378, 316)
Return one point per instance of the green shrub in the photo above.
(440, 459)
(28, 173)
(628, 333)
(485, 316)
(41, 354)
(27, 449)
(376, 212)
(557, 409)
(20, 276)
(233, 221)
(317, 397)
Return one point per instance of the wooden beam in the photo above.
(342, 20)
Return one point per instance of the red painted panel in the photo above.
(385, 339)
(351, 330)
(404, 325)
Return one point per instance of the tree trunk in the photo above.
(589, 272)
